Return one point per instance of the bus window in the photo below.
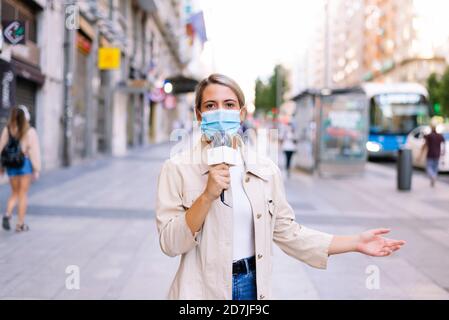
(397, 113)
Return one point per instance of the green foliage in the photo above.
(266, 90)
(433, 88)
(444, 94)
(438, 88)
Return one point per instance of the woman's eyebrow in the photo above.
(213, 101)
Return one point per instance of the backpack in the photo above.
(12, 155)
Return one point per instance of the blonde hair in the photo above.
(220, 79)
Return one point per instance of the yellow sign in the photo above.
(108, 58)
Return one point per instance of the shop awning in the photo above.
(182, 84)
(27, 71)
(134, 86)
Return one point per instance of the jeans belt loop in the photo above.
(247, 266)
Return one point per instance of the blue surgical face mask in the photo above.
(220, 121)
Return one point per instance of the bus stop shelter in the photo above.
(332, 130)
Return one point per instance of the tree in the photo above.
(264, 99)
(433, 87)
(266, 92)
(439, 93)
(443, 94)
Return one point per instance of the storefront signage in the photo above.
(14, 32)
(7, 87)
(109, 58)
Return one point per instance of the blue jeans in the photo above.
(244, 286)
(432, 167)
(27, 168)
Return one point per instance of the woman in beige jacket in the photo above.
(19, 129)
(226, 244)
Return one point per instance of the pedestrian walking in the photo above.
(20, 156)
(226, 248)
(288, 141)
(434, 144)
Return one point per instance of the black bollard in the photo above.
(404, 169)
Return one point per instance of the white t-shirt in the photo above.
(288, 140)
(243, 241)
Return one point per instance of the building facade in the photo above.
(378, 40)
(37, 73)
(80, 109)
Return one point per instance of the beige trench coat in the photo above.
(205, 270)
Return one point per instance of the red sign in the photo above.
(170, 102)
(83, 43)
(157, 95)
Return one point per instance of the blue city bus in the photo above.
(395, 109)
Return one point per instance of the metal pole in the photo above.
(69, 67)
(277, 71)
(91, 95)
(109, 98)
(326, 45)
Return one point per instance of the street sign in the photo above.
(157, 95)
(109, 58)
(170, 102)
(14, 32)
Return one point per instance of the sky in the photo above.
(247, 38)
(434, 22)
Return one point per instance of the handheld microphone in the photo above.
(221, 152)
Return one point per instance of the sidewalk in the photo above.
(344, 206)
(99, 216)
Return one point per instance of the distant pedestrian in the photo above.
(434, 143)
(288, 140)
(20, 155)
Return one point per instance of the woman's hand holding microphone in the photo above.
(219, 179)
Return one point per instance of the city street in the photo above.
(99, 217)
(443, 177)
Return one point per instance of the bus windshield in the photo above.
(397, 113)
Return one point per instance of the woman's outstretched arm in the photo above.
(369, 242)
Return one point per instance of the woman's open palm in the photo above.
(373, 244)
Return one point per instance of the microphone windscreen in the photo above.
(217, 139)
(221, 139)
(227, 140)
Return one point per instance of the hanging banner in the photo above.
(109, 58)
(199, 27)
(7, 88)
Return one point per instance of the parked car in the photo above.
(415, 141)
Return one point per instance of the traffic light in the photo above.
(437, 108)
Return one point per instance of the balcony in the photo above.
(167, 19)
(29, 53)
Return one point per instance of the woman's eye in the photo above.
(209, 106)
(230, 105)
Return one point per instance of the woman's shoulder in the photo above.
(261, 161)
(32, 131)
